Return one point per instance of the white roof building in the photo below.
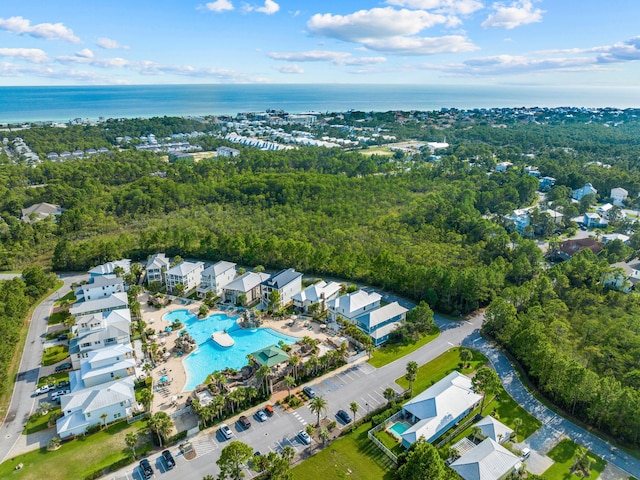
(439, 407)
(40, 211)
(353, 305)
(488, 461)
(109, 267)
(494, 429)
(188, 274)
(157, 265)
(320, 292)
(114, 302)
(618, 196)
(247, 284)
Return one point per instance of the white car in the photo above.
(525, 452)
(55, 396)
(226, 431)
(304, 437)
(44, 389)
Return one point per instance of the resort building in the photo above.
(156, 267)
(84, 408)
(215, 277)
(185, 273)
(100, 287)
(438, 408)
(353, 305)
(102, 366)
(286, 282)
(116, 301)
(270, 356)
(319, 293)
(487, 461)
(379, 323)
(97, 331)
(109, 268)
(40, 211)
(247, 285)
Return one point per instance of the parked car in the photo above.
(344, 416)
(168, 459)
(244, 421)
(45, 389)
(304, 437)
(63, 366)
(62, 337)
(225, 431)
(309, 392)
(55, 396)
(145, 466)
(260, 415)
(63, 384)
(525, 452)
(268, 409)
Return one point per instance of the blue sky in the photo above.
(521, 42)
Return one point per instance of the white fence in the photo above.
(378, 443)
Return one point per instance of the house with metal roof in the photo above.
(247, 284)
(116, 301)
(379, 323)
(494, 429)
(487, 461)
(40, 211)
(286, 282)
(109, 267)
(215, 277)
(188, 274)
(353, 305)
(319, 293)
(270, 356)
(99, 287)
(156, 267)
(439, 408)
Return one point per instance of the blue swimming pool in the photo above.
(398, 429)
(209, 356)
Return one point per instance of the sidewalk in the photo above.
(29, 443)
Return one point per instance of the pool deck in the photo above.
(171, 397)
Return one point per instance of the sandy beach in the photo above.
(169, 396)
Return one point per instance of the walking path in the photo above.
(553, 424)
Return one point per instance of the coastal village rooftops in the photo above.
(282, 278)
(382, 314)
(100, 396)
(158, 261)
(353, 302)
(494, 429)
(109, 267)
(270, 356)
(317, 292)
(39, 211)
(219, 268)
(184, 268)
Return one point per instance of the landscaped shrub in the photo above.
(176, 438)
(381, 417)
(94, 428)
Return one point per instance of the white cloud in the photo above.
(461, 7)
(510, 16)
(34, 55)
(373, 24)
(422, 45)
(85, 53)
(269, 8)
(337, 58)
(48, 31)
(219, 6)
(109, 44)
(295, 69)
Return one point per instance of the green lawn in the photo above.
(563, 454)
(53, 378)
(57, 317)
(70, 297)
(80, 457)
(440, 367)
(353, 456)
(55, 354)
(389, 353)
(39, 422)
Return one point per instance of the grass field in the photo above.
(391, 353)
(563, 455)
(53, 378)
(80, 457)
(39, 422)
(353, 456)
(55, 354)
(381, 151)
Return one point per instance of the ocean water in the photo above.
(19, 104)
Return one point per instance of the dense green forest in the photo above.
(430, 231)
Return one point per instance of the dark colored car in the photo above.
(168, 459)
(244, 421)
(344, 416)
(63, 384)
(63, 366)
(62, 337)
(145, 466)
(309, 392)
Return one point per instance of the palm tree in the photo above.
(289, 382)
(217, 405)
(161, 424)
(318, 406)
(288, 453)
(263, 374)
(412, 372)
(324, 435)
(146, 396)
(251, 393)
(389, 394)
(131, 439)
(294, 361)
(104, 417)
(517, 422)
(353, 406)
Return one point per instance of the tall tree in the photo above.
(232, 458)
(131, 439)
(485, 381)
(161, 424)
(421, 462)
(412, 372)
(353, 406)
